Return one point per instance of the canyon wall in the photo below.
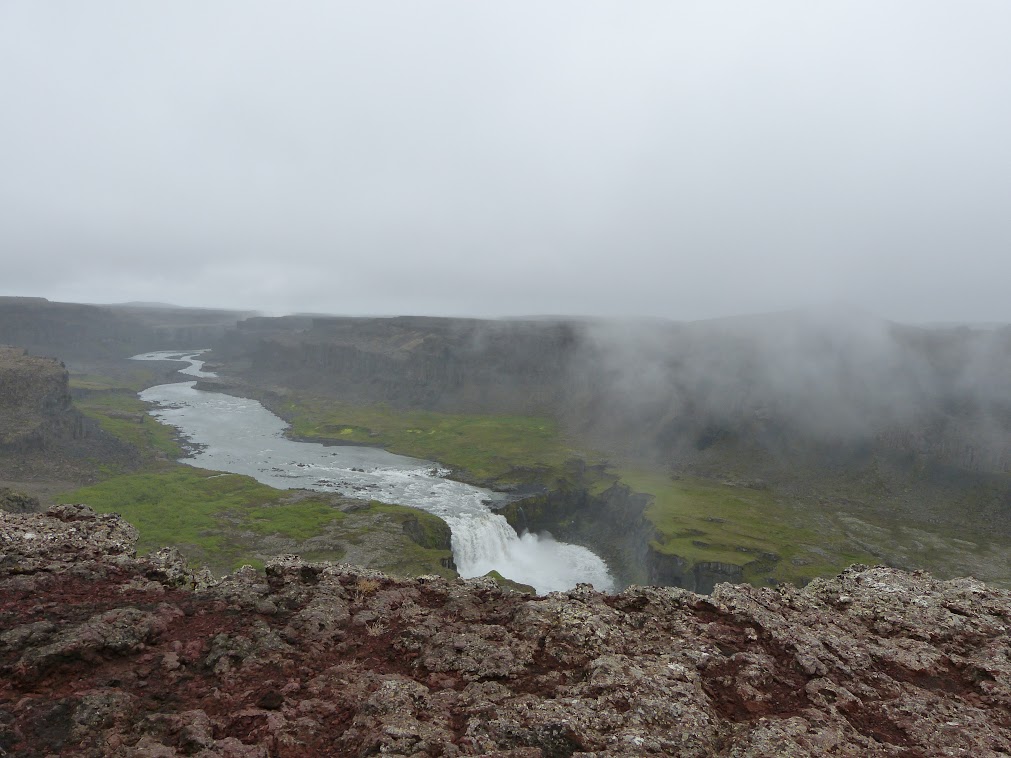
(36, 411)
(804, 403)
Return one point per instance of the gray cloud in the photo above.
(679, 160)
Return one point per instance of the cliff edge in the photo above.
(103, 653)
(43, 436)
(35, 404)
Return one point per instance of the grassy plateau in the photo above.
(226, 520)
(702, 520)
(482, 448)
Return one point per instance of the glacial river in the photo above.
(240, 436)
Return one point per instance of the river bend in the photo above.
(239, 435)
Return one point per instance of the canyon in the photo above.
(835, 436)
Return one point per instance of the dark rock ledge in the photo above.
(106, 654)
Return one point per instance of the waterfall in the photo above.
(239, 435)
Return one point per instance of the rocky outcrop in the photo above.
(415, 362)
(15, 501)
(43, 436)
(35, 403)
(103, 653)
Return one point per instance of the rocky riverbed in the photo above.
(103, 653)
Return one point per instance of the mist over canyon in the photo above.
(564, 380)
(877, 427)
(770, 451)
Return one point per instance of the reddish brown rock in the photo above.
(106, 654)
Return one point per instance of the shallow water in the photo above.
(240, 436)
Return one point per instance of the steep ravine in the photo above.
(613, 525)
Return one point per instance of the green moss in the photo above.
(489, 448)
(181, 506)
(121, 413)
(509, 584)
(420, 553)
(706, 521)
(299, 521)
(227, 520)
(134, 379)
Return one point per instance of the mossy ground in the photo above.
(121, 413)
(134, 377)
(698, 520)
(772, 536)
(192, 508)
(227, 520)
(707, 521)
(496, 449)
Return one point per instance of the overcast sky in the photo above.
(674, 159)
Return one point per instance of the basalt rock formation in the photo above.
(411, 362)
(88, 333)
(42, 435)
(818, 389)
(103, 653)
(35, 403)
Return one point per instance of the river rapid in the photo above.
(239, 435)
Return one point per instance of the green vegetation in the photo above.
(485, 448)
(121, 413)
(416, 554)
(301, 521)
(509, 584)
(226, 520)
(182, 506)
(707, 521)
(128, 375)
(697, 520)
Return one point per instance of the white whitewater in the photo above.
(240, 436)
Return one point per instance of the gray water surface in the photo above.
(240, 436)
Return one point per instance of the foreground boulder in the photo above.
(103, 653)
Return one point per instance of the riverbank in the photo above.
(687, 531)
(238, 435)
(690, 532)
(224, 521)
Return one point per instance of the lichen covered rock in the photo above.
(103, 653)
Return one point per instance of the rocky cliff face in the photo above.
(103, 653)
(85, 334)
(434, 363)
(42, 435)
(800, 385)
(35, 403)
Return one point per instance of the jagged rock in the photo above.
(35, 402)
(17, 502)
(103, 653)
(43, 436)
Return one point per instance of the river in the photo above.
(239, 435)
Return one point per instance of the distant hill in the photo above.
(85, 333)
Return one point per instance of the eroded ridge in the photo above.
(103, 653)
